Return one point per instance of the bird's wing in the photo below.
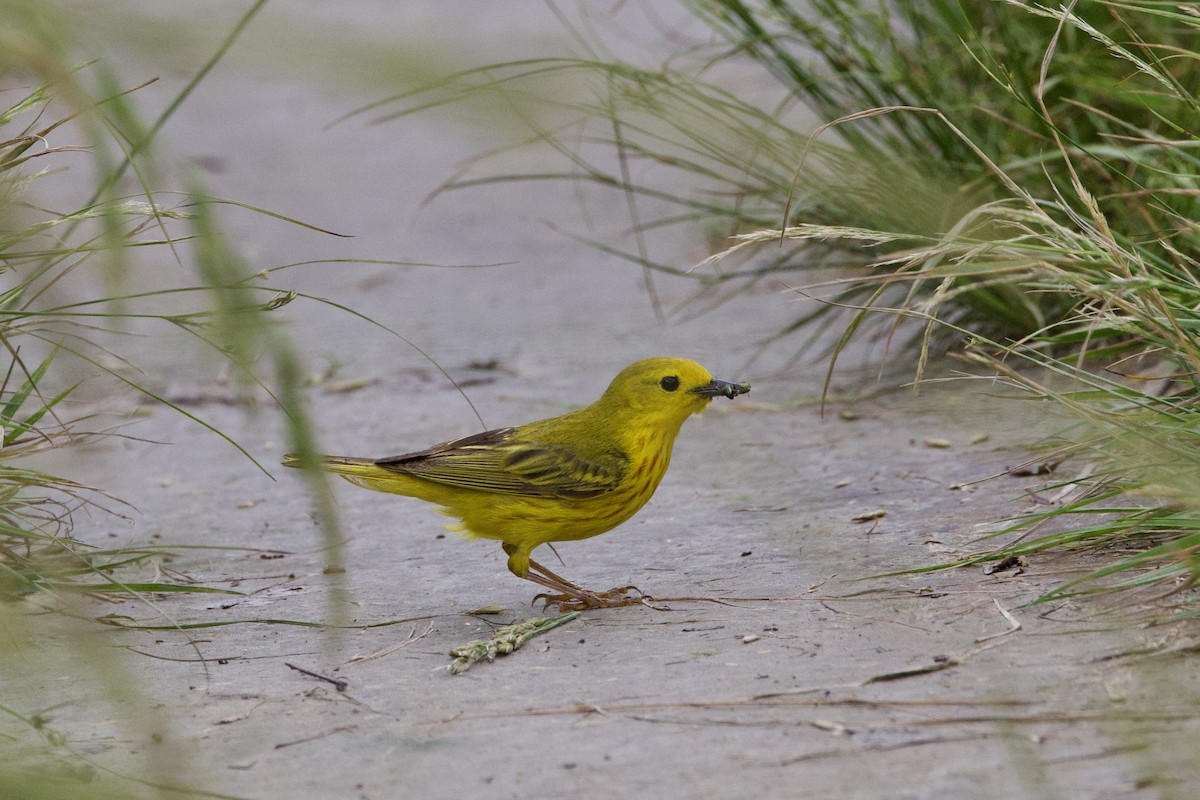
(494, 461)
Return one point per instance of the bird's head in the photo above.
(663, 392)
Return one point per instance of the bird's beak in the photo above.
(715, 388)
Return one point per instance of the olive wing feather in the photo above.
(496, 461)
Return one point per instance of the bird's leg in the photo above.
(564, 594)
(571, 597)
(546, 573)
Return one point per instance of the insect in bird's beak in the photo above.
(715, 388)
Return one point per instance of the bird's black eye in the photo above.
(669, 383)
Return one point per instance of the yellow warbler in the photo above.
(560, 479)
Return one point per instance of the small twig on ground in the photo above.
(716, 600)
(886, 748)
(339, 683)
(940, 663)
(330, 732)
(1012, 621)
(413, 636)
(506, 640)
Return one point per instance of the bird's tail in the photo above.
(369, 474)
(340, 465)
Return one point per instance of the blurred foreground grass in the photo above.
(66, 305)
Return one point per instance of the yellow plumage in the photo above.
(565, 478)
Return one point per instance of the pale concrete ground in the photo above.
(759, 685)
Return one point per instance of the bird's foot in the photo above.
(584, 599)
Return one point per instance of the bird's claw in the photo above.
(585, 599)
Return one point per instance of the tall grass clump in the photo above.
(1088, 221)
(1015, 175)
